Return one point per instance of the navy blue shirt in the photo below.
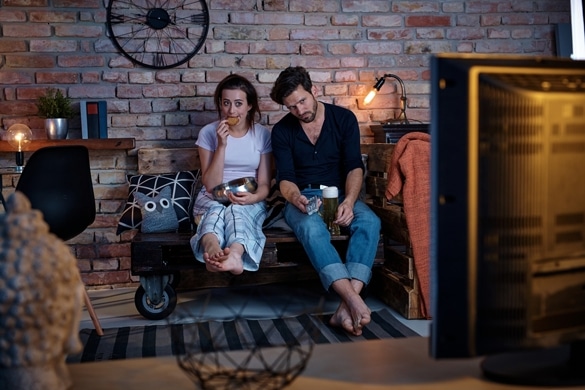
(336, 153)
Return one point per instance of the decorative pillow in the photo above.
(158, 213)
(275, 203)
(183, 189)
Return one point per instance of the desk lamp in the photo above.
(379, 82)
(19, 135)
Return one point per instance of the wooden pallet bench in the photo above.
(165, 261)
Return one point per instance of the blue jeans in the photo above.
(312, 232)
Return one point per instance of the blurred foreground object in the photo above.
(41, 294)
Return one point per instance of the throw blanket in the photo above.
(409, 172)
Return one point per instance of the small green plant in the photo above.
(54, 105)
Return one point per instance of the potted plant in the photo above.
(57, 109)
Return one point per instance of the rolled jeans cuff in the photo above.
(334, 272)
(331, 273)
(360, 272)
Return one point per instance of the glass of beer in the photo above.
(330, 201)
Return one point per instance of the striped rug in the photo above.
(238, 334)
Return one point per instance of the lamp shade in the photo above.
(370, 96)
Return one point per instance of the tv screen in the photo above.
(508, 215)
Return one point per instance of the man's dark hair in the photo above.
(289, 80)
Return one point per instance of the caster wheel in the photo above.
(159, 311)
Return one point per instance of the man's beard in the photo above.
(313, 114)
(310, 118)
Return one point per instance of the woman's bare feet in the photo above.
(211, 248)
(227, 260)
(213, 262)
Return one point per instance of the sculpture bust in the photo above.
(40, 301)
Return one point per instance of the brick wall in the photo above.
(345, 44)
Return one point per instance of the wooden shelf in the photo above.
(91, 144)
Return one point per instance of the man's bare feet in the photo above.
(228, 260)
(352, 321)
(353, 313)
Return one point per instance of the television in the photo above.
(570, 37)
(508, 216)
(577, 30)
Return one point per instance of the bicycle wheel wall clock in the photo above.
(158, 34)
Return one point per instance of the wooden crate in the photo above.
(394, 291)
(395, 281)
(400, 262)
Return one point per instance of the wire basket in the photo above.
(238, 353)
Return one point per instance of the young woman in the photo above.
(229, 236)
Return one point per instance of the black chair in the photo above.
(57, 181)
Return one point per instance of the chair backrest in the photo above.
(57, 181)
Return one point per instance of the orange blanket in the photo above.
(409, 171)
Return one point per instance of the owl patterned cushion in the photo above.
(158, 213)
(183, 189)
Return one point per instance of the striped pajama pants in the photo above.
(232, 223)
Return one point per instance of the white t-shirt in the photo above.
(242, 155)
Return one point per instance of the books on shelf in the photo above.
(94, 119)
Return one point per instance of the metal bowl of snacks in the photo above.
(243, 184)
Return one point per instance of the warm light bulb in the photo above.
(19, 138)
(370, 96)
(18, 135)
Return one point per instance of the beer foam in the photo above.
(330, 192)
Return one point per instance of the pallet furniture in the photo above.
(396, 282)
(162, 260)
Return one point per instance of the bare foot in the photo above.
(214, 262)
(234, 262)
(352, 315)
(227, 260)
(211, 246)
